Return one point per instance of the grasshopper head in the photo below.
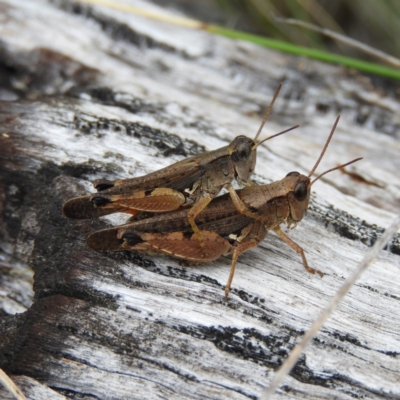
(298, 189)
(298, 186)
(243, 153)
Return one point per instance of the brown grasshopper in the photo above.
(192, 182)
(231, 224)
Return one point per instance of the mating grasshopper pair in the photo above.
(230, 224)
(192, 182)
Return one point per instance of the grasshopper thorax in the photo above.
(243, 154)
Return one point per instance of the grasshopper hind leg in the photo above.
(241, 248)
(182, 245)
(250, 237)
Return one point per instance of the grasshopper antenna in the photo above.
(325, 147)
(334, 169)
(276, 134)
(268, 112)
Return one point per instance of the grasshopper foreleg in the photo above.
(297, 249)
(241, 206)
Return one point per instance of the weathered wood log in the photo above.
(89, 93)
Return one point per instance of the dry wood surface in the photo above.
(86, 93)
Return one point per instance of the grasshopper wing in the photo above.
(175, 244)
(97, 205)
(160, 191)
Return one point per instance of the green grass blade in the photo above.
(321, 55)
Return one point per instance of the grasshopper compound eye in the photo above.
(243, 150)
(300, 191)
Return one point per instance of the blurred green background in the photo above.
(373, 22)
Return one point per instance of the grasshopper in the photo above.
(231, 224)
(191, 182)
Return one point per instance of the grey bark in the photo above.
(88, 93)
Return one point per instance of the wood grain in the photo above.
(88, 93)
